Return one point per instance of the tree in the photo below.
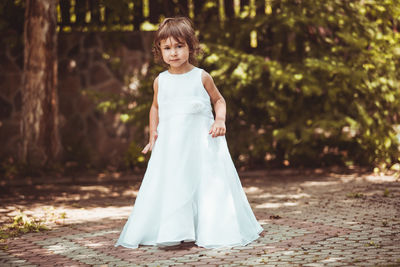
(39, 119)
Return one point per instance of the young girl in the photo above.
(191, 190)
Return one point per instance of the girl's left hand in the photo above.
(218, 128)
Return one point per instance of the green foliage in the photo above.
(21, 224)
(372, 244)
(320, 88)
(386, 193)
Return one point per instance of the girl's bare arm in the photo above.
(218, 101)
(153, 119)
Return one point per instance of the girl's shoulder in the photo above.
(162, 73)
(205, 76)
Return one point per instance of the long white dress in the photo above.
(190, 190)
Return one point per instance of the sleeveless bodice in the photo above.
(182, 94)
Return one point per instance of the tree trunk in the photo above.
(39, 123)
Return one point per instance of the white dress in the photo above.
(190, 190)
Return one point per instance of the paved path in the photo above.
(309, 219)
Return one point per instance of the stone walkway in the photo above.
(310, 219)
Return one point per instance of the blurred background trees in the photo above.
(40, 137)
(307, 82)
(317, 84)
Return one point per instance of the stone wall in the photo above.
(86, 61)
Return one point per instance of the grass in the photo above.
(372, 244)
(386, 193)
(22, 224)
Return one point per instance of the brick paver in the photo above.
(319, 224)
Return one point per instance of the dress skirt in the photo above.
(190, 191)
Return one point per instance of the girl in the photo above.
(190, 190)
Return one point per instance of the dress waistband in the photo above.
(190, 105)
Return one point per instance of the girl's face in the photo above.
(175, 53)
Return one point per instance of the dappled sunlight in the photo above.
(59, 204)
(96, 214)
(127, 192)
(338, 178)
(58, 248)
(319, 183)
(333, 259)
(268, 205)
(102, 176)
(90, 192)
(73, 193)
(288, 252)
(72, 215)
(284, 196)
(381, 178)
(98, 202)
(97, 188)
(251, 189)
(96, 245)
(296, 212)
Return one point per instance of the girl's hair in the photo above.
(180, 28)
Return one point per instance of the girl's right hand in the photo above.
(149, 146)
